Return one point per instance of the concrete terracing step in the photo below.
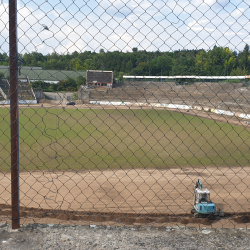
(226, 96)
(24, 90)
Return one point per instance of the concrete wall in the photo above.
(59, 97)
(39, 94)
(83, 94)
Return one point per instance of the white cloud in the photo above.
(238, 12)
(209, 2)
(124, 24)
(200, 25)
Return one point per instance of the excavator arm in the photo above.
(198, 184)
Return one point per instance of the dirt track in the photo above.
(136, 191)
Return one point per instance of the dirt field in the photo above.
(139, 191)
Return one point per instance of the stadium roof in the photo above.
(45, 75)
(187, 77)
(99, 71)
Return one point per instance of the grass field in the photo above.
(101, 139)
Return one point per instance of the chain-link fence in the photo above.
(129, 112)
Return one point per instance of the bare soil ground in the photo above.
(129, 196)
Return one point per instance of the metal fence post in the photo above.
(14, 114)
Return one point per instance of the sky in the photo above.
(91, 25)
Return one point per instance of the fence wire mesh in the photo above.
(123, 107)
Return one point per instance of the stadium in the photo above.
(128, 158)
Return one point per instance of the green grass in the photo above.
(101, 139)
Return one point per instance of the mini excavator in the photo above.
(203, 206)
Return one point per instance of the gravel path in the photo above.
(49, 236)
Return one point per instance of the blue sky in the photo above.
(123, 24)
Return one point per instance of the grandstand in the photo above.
(30, 74)
(25, 93)
(214, 95)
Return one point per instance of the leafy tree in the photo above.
(238, 72)
(229, 63)
(201, 63)
(216, 61)
(163, 65)
(229, 60)
(128, 66)
(68, 85)
(53, 87)
(80, 81)
(141, 69)
(88, 64)
(135, 50)
(76, 64)
(75, 96)
(120, 77)
(183, 64)
(244, 58)
(40, 85)
(75, 54)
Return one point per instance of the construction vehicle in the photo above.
(203, 206)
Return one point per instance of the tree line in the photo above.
(69, 85)
(218, 61)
